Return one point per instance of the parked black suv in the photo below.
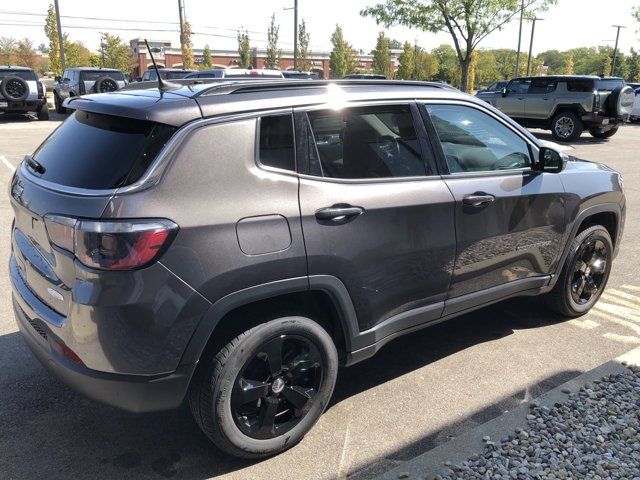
(234, 243)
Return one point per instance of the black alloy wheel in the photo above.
(589, 270)
(14, 88)
(276, 387)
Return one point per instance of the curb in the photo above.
(470, 443)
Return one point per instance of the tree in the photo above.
(395, 44)
(342, 60)
(405, 62)
(25, 54)
(244, 50)
(273, 54)
(77, 55)
(568, 70)
(449, 68)
(7, 50)
(472, 71)
(304, 62)
(468, 22)
(43, 48)
(606, 66)
(633, 65)
(51, 29)
(381, 64)
(114, 53)
(186, 46)
(206, 58)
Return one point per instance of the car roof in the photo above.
(568, 77)
(94, 69)
(162, 69)
(186, 101)
(14, 67)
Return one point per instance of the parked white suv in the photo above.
(82, 80)
(22, 92)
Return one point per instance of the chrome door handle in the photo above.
(338, 214)
(478, 200)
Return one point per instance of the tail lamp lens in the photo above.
(106, 245)
(82, 88)
(40, 90)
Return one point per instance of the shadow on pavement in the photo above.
(48, 430)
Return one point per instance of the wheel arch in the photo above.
(567, 107)
(323, 297)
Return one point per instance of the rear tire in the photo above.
(566, 127)
(287, 358)
(58, 103)
(43, 113)
(567, 298)
(597, 133)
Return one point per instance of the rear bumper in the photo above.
(134, 393)
(602, 121)
(23, 106)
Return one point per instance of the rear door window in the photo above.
(276, 142)
(27, 75)
(609, 84)
(580, 85)
(93, 76)
(96, 151)
(542, 85)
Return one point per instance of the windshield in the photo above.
(116, 151)
(23, 74)
(95, 75)
(608, 84)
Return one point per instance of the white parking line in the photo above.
(7, 164)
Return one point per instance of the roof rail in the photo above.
(239, 86)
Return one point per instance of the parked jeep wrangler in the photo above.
(82, 80)
(22, 92)
(566, 105)
(233, 243)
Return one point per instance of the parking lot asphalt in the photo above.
(418, 392)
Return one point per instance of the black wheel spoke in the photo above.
(298, 396)
(266, 420)
(247, 391)
(589, 271)
(273, 352)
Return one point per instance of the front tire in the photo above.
(585, 273)
(597, 133)
(266, 388)
(566, 127)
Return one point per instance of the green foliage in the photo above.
(448, 65)
(206, 59)
(25, 54)
(114, 53)
(633, 66)
(7, 50)
(273, 54)
(304, 62)
(468, 22)
(51, 29)
(77, 55)
(405, 63)
(244, 50)
(381, 64)
(395, 44)
(187, 47)
(342, 60)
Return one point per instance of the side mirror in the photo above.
(57, 79)
(504, 92)
(551, 160)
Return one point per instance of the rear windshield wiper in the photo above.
(34, 164)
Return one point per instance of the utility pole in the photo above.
(519, 38)
(60, 37)
(295, 33)
(615, 49)
(533, 30)
(181, 15)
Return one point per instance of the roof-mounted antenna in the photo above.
(162, 85)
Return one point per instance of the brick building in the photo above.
(171, 57)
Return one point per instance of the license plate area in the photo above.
(605, 121)
(4, 104)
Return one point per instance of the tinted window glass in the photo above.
(173, 75)
(23, 74)
(367, 142)
(114, 151)
(476, 142)
(519, 86)
(276, 142)
(93, 76)
(542, 85)
(580, 85)
(606, 84)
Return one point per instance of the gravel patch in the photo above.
(593, 435)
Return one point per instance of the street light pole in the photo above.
(519, 38)
(180, 14)
(60, 37)
(533, 30)
(615, 49)
(295, 33)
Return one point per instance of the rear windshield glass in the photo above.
(609, 84)
(172, 75)
(93, 76)
(23, 74)
(96, 151)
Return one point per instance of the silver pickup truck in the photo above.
(22, 92)
(566, 105)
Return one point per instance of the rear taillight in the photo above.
(596, 102)
(40, 90)
(111, 245)
(82, 88)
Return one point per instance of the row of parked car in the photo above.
(567, 104)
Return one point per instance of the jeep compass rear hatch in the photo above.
(59, 194)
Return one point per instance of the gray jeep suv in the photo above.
(566, 105)
(234, 243)
(22, 92)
